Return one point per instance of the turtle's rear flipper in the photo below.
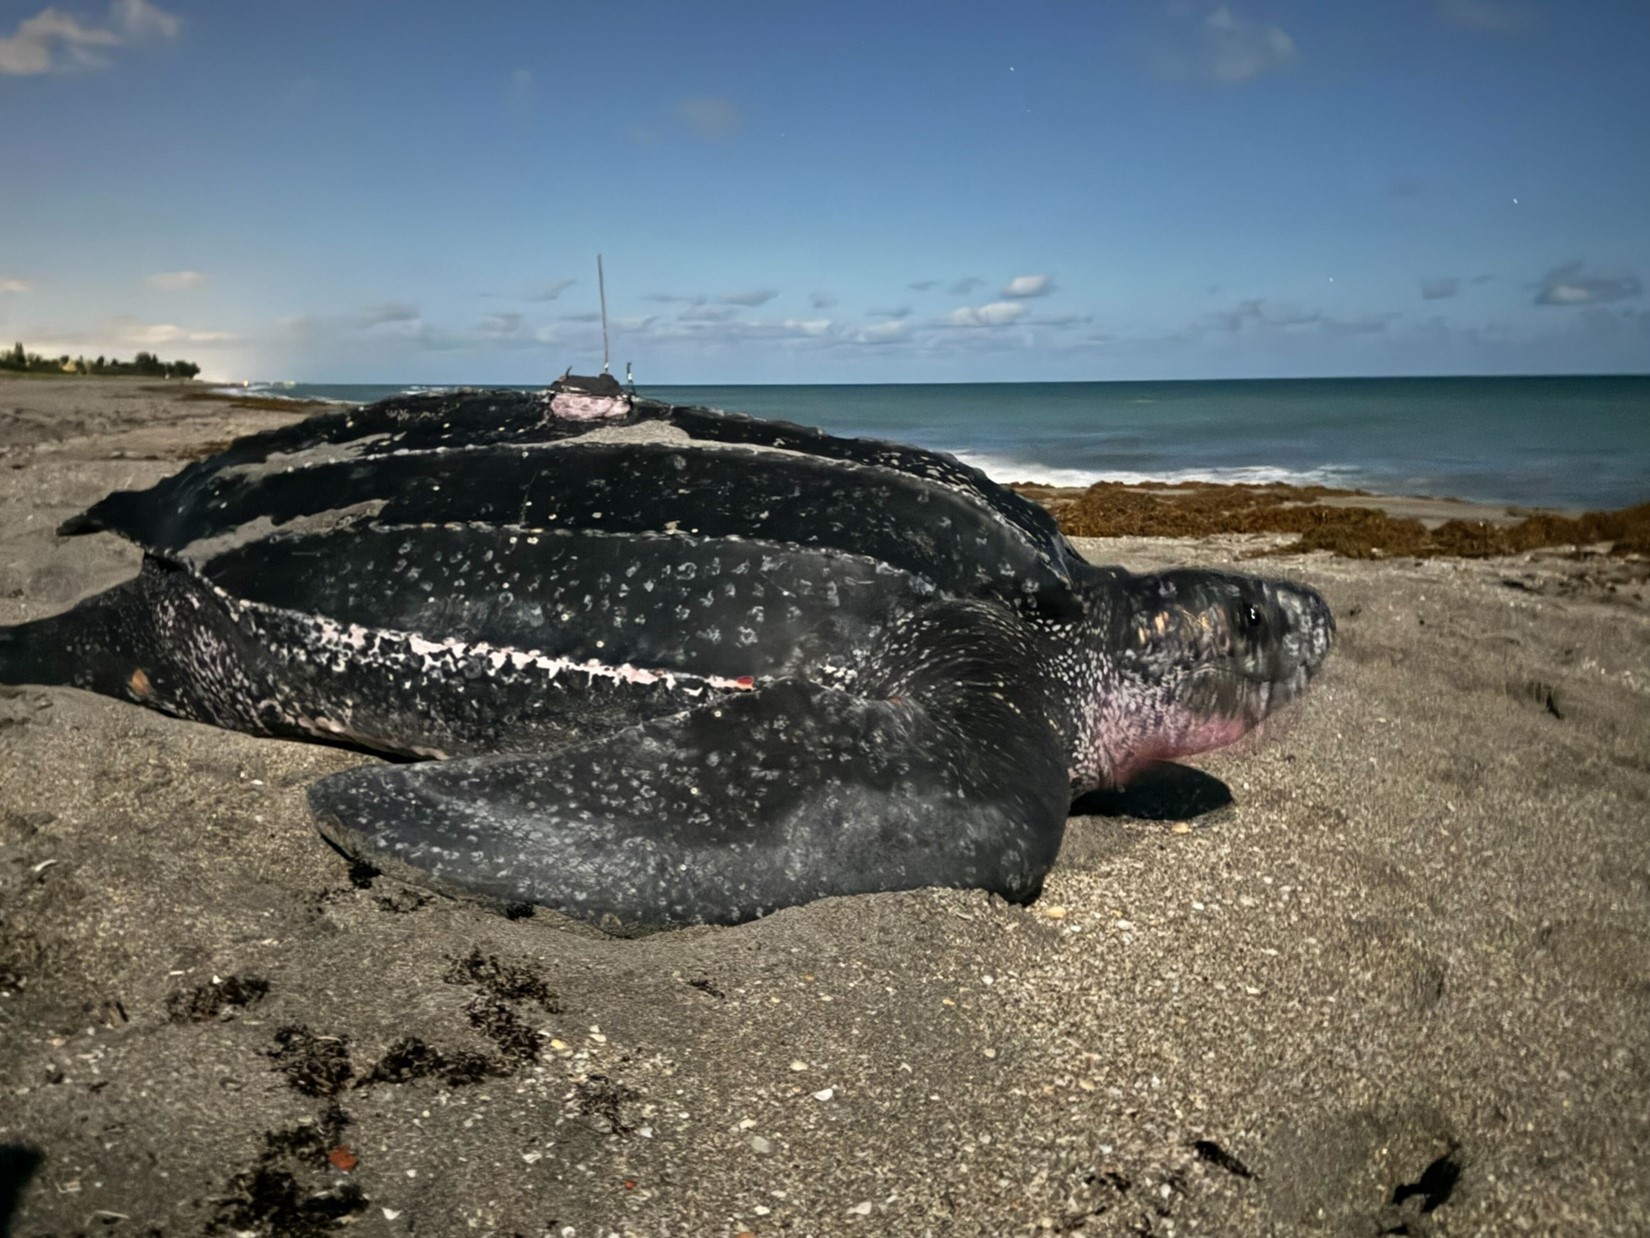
(104, 644)
(757, 802)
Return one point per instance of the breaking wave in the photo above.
(1005, 469)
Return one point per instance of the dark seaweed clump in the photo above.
(603, 1100)
(508, 982)
(411, 1058)
(271, 1197)
(314, 1065)
(1195, 509)
(220, 999)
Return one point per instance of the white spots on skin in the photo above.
(439, 656)
(329, 728)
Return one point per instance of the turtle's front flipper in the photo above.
(757, 802)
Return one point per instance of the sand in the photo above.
(1383, 971)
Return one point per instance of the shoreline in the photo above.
(144, 401)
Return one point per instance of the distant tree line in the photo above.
(144, 365)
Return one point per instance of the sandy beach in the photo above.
(1382, 971)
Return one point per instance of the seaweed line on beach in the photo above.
(1354, 530)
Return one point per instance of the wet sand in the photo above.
(1382, 971)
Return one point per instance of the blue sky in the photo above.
(789, 192)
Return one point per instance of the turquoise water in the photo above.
(1549, 441)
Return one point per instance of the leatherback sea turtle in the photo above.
(682, 665)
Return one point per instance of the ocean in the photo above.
(1564, 442)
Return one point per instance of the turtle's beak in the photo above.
(1309, 626)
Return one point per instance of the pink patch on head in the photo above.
(1203, 735)
(745, 683)
(1208, 734)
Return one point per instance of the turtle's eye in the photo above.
(1254, 622)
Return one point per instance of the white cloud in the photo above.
(1440, 288)
(1358, 324)
(1491, 16)
(712, 119)
(1029, 286)
(138, 19)
(155, 335)
(728, 330)
(11, 284)
(707, 313)
(398, 329)
(388, 311)
(996, 314)
(31, 49)
(756, 296)
(177, 281)
(52, 41)
(1237, 50)
(552, 290)
(800, 326)
(925, 285)
(821, 300)
(1226, 48)
(1274, 320)
(500, 326)
(714, 326)
(1257, 312)
(1593, 338)
(1571, 284)
(965, 285)
(890, 332)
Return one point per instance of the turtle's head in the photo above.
(1190, 660)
